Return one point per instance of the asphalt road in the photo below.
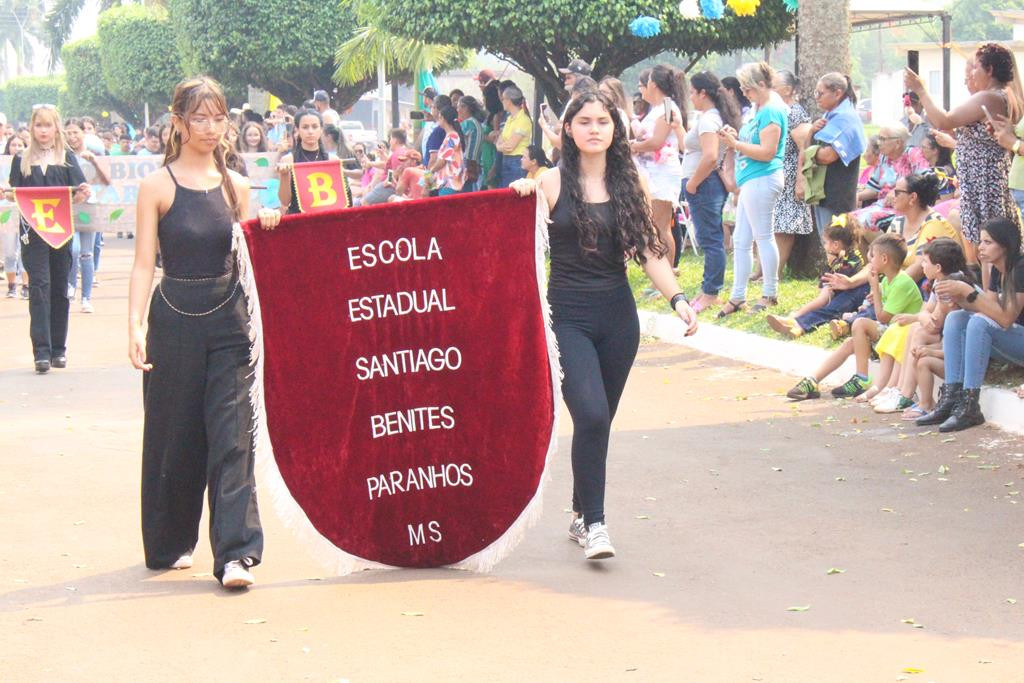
(727, 505)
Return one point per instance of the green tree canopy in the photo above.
(541, 35)
(284, 46)
(86, 92)
(972, 20)
(20, 94)
(139, 57)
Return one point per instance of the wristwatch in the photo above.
(972, 297)
(676, 299)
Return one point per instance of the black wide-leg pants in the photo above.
(48, 305)
(598, 336)
(198, 425)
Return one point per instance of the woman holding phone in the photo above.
(983, 166)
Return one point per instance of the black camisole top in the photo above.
(195, 233)
(572, 267)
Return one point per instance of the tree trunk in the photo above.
(823, 46)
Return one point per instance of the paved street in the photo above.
(727, 505)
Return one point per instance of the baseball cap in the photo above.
(485, 76)
(578, 67)
(321, 96)
(429, 93)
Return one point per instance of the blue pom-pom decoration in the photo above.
(792, 5)
(713, 9)
(645, 27)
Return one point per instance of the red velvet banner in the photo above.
(47, 210)
(320, 186)
(407, 376)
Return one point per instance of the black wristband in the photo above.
(676, 299)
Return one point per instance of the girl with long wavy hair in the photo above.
(195, 354)
(600, 216)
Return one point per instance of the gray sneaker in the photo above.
(598, 546)
(578, 531)
(237, 575)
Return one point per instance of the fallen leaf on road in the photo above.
(888, 510)
(34, 619)
(776, 469)
(70, 588)
(650, 498)
(949, 439)
(840, 478)
(643, 517)
(660, 575)
(912, 670)
(801, 608)
(943, 469)
(21, 581)
(833, 570)
(80, 522)
(412, 614)
(988, 467)
(1011, 601)
(201, 575)
(984, 661)
(901, 436)
(255, 621)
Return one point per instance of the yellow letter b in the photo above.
(321, 187)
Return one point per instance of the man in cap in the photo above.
(322, 103)
(576, 68)
(429, 124)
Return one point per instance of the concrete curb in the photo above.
(1002, 408)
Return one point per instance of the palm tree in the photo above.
(359, 57)
(61, 19)
(21, 24)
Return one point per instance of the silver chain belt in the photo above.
(160, 288)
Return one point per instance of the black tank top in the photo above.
(195, 233)
(301, 156)
(574, 268)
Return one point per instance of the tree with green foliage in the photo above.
(973, 20)
(539, 36)
(139, 56)
(283, 46)
(86, 92)
(60, 21)
(22, 93)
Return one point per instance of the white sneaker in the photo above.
(882, 395)
(71, 292)
(236, 575)
(86, 306)
(599, 546)
(183, 562)
(578, 531)
(889, 404)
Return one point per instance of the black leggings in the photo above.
(598, 335)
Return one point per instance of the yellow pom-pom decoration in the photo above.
(744, 8)
(105, 114)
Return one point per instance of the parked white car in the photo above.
(354, 132)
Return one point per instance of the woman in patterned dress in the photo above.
(792, 217)
(983, 167)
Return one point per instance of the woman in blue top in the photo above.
(759, 148)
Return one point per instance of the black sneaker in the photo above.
(59, 362)
(42, 367)
(855, 386)
(805, 389)
(24, 292)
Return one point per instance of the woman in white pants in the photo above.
(760, 146)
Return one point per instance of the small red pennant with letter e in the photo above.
(47, 210)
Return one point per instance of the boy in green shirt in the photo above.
(897, 292)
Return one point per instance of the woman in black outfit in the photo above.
(308, 146)
(198, 418)
(599, 213)
(47, 162)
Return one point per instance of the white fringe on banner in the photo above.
(294, 517)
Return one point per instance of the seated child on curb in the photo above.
(894, 391)
(843, 258)
(897, 292)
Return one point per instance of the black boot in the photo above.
(967, 413)
(949, 396)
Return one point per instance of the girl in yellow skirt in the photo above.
(907, 345)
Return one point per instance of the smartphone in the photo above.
(914, 60)
(416, 115)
